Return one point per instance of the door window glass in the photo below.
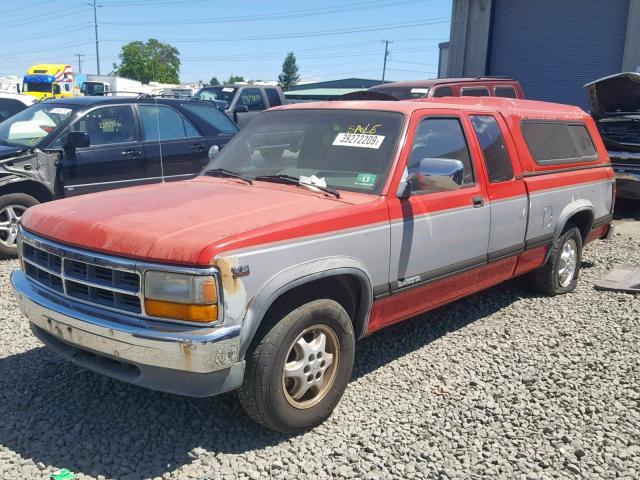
(252, 98)
(273, 96)
(107, 125)
(495, 152)
(507, 92)
(440, 138)
(475, 92)
(160, 122)
(211, 115)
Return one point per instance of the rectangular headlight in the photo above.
(181, 296)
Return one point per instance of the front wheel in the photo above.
(560, 273)
(298, 371)
(12, 207)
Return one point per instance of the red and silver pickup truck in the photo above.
(261, 274)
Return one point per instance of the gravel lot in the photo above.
(503, 384)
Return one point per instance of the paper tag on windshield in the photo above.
(60, 111)
(358, 140)
(227, 89)
(313, 180)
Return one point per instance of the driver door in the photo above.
(438, 238)
(114, 158)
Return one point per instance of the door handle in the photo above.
(477, 202)
(198, 147)
(130, 153)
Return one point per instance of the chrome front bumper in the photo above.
(182, 359)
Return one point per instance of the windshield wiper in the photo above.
(223, 172)
(295, 181)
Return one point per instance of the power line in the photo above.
(44, 17)
(373, 28)
(272, 16)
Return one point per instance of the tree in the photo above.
(150, 61)
(289, 76)
(214, 81)
(236, 79)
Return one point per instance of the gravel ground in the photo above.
(503, 384)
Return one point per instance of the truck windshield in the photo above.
(30, 126)
(225, 94)
(38, 87)
(341, 149)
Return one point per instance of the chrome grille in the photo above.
(105, 286)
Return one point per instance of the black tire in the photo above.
(21, 200)
(547, 279)
(272, 154)
(263, 394)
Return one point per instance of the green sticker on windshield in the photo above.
(366, 179)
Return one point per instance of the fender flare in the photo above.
(12, 178)
(301, 274)
(569, 211)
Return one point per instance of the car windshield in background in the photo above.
(341, 149)
(28, 127)
(225, 94)
(405, 93)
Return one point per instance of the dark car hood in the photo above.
(9, 151)
(614, 94)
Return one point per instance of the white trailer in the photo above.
(103, 84)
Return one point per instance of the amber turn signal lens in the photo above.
(179, 311)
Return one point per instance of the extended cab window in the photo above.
(440, 138)
(252, 98)
(507, 92)
(164, 123)
(273, 96)
(341, 149)
(107, 125)
(558, 142)
(495, 152)
(474, 92)
(443, 92)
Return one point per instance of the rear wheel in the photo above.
(12, 207)
(298, 371)
(560, 273)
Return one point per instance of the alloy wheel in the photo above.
(310, 369)
(9, 222)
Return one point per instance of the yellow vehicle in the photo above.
(49, 80)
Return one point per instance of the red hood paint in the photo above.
(176, 222)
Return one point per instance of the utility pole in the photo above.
(95, 26)
(79, 55)
(386, 54)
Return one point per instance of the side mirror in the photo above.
(213, 151)
(77, 140)
(437, 175)
(239, 109)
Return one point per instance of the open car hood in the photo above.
(614, 94)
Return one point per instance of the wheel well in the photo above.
(583, 220)
(344, 289)
(35, 189)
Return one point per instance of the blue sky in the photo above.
(331, 39)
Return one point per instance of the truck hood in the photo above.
(10, 151)
(614, 94)
(173, 222)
